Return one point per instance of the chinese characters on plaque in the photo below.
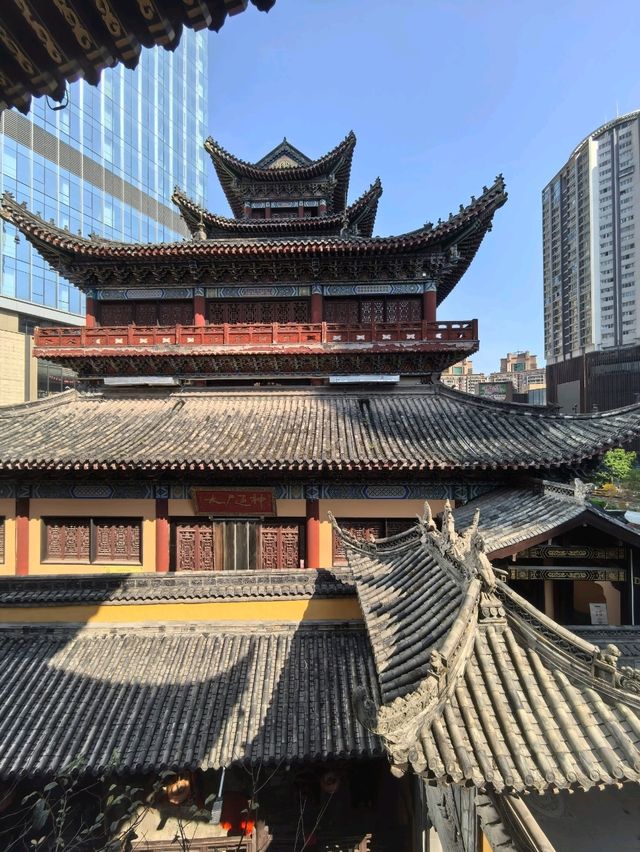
(245, 502)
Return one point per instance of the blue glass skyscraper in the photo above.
(105, 164)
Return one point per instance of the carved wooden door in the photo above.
(146, 313)
(116, 313)
(280, 546)
(341, 310)
(405, 309)
(194, 546)
(175, 312)
(372, 310)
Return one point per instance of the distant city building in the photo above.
(591, 232)
(106, 163)
(518, 371)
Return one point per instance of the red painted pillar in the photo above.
(162, 535)
(199, 310)
(22, 536)
(312, 557)
(429, 305)
(90, 320)
(317, 308)
(267, 212)
(301, 211)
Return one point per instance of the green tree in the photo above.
(617, 466)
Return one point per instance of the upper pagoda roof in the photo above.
(285, 163)
(477, 686)
(309, 430)
(358, 217)
(442, 252)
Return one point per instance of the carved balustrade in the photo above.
(256, 334)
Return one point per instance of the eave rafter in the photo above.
(441, 253)
(47, 45)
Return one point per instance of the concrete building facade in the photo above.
(591, 222)
(106, 163)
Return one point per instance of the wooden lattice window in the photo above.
(248, 312)
(67, 540)
(384, 309)
(367, 529)
(1, 540)
(116, 540)
(87, 540)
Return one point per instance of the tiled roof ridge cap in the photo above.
(364, 200)
(215, 149)
(597, 668)
(23, 218)
(536, 410)
(126, 629)
(55, 400)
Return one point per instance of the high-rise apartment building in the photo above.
(106, 163)
(591, 248)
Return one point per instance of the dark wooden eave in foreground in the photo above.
(333, 168)
(358, 218)
(311, 430)
(513, 519)
(440, 253)
(478, 687)
(44, 47)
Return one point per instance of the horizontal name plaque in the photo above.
(224, 502)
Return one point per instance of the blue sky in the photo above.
(442, 96)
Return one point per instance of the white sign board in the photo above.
(598, 613)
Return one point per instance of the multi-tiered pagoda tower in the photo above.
(294, 287)
(206, 598)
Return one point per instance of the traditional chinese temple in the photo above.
(220, 561)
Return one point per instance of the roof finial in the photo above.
(201, 233)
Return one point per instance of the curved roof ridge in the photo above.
(215, 150)
(364, 208)
(487, 662)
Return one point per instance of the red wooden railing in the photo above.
(255, 334)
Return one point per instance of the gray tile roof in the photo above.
(144, 699)
(311, 430)
(504, 696)
(511, 517)
(154, 588)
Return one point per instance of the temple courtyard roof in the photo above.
(418, 428)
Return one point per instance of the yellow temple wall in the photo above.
(8, 512)
(230, 612)
(42, 508)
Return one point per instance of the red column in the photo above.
(317, 311)
(90, 320)
(300, 211)
(429, 305)
(22, 536)
(312, 557)
(162, 535)
(267, 212)
(199, 310)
